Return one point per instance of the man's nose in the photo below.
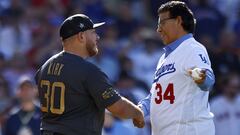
(98, 37)
(159, 29)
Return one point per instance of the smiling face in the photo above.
(168, 27)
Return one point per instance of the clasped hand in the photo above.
(138, 121)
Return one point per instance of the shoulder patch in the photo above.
(203, 58)
(108, 93)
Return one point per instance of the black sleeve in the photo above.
(100, 88)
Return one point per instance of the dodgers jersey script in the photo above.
(178, 105)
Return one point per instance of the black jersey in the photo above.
(73, 95)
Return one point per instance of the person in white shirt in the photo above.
(226, 107)
(178, 100)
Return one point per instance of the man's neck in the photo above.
(181, 33)
(75, 51)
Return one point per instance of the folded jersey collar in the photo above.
(172, 46)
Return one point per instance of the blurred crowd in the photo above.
(129, 52)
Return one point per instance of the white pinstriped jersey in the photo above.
(178, 105)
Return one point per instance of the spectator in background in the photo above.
(18, 67)
(2, 63)
(128, 87)
(126, 69)
(4, 93)
(109, 43)
(4, 100)
(94, 9)
(150, 54)
(109, 65)
(208, 15)
(228, 8)
(133, 44)
(44, 39)
(125, 21)
(226, 59)
(15, 35)
(25, 121)
(226, 107)
(237, 30)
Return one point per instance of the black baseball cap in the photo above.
(75, 24)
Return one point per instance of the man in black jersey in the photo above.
(73, 92)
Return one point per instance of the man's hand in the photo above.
(200, 77)
(138, 121)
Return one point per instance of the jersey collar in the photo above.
(172, 46)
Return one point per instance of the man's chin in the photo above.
(165, 42)
(93, 53)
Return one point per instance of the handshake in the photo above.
(125, 109)
(138, 121)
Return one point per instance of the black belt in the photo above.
(44, 132)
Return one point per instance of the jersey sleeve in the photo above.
(145, 105)
(100, 88)
(197, 57)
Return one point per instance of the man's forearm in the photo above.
(125, 109)
(209, 81)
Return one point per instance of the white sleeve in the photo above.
(198, 57)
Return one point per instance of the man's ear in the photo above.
(179, 20)
(81, 36)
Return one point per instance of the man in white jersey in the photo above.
(178, 101)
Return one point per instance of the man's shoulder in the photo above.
(193, 45)
(88, 67)
(13, 114)
(69, 59)
(51, 59)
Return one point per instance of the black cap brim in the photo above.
(98, 24)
